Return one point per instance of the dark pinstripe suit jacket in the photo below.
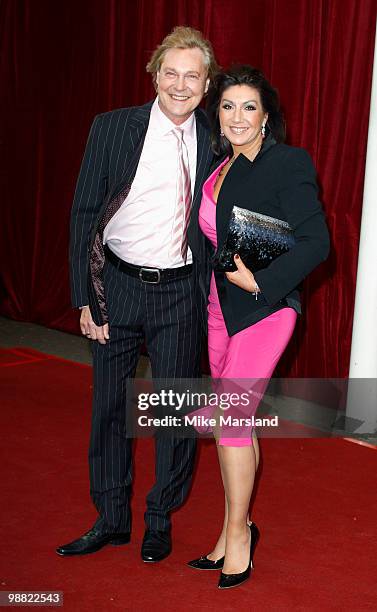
(108, 168)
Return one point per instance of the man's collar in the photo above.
(161, 124)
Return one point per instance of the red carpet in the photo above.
(316, 508)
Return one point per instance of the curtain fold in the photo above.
(63, 63)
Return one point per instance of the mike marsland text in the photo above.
(201, 421)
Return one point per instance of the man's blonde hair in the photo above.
(183, 37)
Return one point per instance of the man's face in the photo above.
(181, 83)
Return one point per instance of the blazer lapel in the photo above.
(138, 125)
(203, 158)
(232, 185)
(136, 131)
(227, 197)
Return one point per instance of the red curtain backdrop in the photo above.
(63, 62)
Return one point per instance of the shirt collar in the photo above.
(161, 124)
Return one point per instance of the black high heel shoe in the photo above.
(207, 564)
(227, 581)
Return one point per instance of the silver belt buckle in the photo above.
(151, 282)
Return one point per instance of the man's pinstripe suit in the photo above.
(167, 316)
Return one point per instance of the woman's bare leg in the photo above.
(252, 457)
(238, 469)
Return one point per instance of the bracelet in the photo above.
(256, 291)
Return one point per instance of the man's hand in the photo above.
(243, 277)
(90, 329)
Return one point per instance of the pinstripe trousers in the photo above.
(167, 317)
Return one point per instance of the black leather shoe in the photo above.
(92, 541)
(227, 581)
(156, 546)
(207, 564)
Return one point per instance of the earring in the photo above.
(221, 132)
(263, 130)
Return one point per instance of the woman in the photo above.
(251, 315)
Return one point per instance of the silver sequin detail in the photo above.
(257, 238)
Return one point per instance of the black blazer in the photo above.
(281, 183)
(108, 168)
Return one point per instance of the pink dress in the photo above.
(245, 361)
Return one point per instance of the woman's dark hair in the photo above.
(243, 75)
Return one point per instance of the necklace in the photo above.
(229, 163)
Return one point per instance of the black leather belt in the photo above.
(153, 276)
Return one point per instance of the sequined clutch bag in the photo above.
(258, 240)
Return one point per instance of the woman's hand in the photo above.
(243, 277)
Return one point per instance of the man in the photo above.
(134, 254)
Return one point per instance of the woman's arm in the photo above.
(303, 211)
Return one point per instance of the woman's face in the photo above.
(241, 115)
